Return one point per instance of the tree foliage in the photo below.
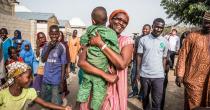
(186, 11)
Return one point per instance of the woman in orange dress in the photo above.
(74, 46)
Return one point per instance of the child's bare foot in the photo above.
(111, 78)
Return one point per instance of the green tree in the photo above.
(186, 11)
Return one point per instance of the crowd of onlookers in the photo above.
(154, 56)
(16, 49)
(104, 54)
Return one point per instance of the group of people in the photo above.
(21, 68)
(104, 57)
(42, 68)
(154, 56)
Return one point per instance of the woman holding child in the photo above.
(116, 98)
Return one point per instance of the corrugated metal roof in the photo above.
(34, 15)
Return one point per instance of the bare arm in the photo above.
(164, 63)
(45, 57)
(50, 105)
(46, 54)
(138, 65)
(88, 67)
(120, 61)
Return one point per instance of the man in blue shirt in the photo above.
(54, 57)
(151, 63)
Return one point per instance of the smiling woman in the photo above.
(116, 93)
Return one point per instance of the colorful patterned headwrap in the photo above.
(16, 68)
(114, 13)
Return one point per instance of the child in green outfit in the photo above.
(16, 93)
(96, 57)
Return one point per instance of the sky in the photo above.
(140, 11)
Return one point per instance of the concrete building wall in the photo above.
(66, 31)
(6, 7)
(33, 33)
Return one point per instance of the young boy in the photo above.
(54, 57)
(40, 42)
(96, 57)
(15, 96)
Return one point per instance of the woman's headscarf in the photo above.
(14, 69)
(26, 42)
(114, 13)
(19, 35)
(16, 38)
(28, 56)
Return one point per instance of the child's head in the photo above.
(24, 79)
(41, 38)
(54, 33)
(17, 34)
(99, 16)
(12, 51)
(21, 73)
(19, 43)
(74, 33)
(27, 47)
(3, 33)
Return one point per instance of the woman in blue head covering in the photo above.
(17, 35)
(27, 53)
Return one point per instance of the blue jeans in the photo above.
(155, 86)
(51, 93)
